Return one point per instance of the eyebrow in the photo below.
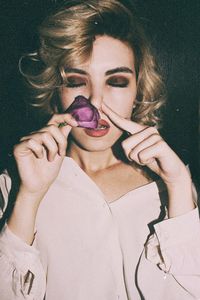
(109, 72)
(119, 70)
(75, 70)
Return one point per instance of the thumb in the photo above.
(65, 129)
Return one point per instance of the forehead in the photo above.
(108, 52)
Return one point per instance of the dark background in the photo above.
(174, 28)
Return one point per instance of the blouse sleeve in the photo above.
(5, 186)
(175, 249)
(21, 273)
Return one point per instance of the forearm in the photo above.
(22, 220)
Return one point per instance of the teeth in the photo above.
(101, 127)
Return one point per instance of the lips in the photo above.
(101, 130)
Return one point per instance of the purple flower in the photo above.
(84, 112)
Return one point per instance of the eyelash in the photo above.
(70, 85)
(111, 82)
(122, 85)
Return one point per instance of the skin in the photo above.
(39, 156)
(100, 73)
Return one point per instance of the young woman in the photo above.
(89, 222)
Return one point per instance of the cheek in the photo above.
(122, 103)
(64, 98)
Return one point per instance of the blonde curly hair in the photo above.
(66, 39)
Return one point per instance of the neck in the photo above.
(92, 161)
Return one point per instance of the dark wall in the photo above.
(173, 27)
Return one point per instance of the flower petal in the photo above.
(84, 112)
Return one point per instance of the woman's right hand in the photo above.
(39, 155)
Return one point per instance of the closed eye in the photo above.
(118, 81)
(75, 81)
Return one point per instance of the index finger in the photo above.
(59, 119)
(125, 124)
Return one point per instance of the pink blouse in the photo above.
(88, 249)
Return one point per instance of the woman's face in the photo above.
(107, 76)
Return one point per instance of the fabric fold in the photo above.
(170, 246)
(21, 266)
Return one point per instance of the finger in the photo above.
(154, 157)
(136, 153)
(137, 138)
(58, 119)
(125, 124)
(46, 140)
(49, 144)
(66, 130)
(59, 137)
(27, 147)
(151, 157)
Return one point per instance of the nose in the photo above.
(96, 100)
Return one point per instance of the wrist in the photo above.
(22, 219)
(29, 196)
(182, 181)
(180, 196)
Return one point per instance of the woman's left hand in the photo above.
(146, 147)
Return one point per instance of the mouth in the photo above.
(102, 124)
(101, 130)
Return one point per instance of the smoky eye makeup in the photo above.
(75, 81)
(118, 81)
